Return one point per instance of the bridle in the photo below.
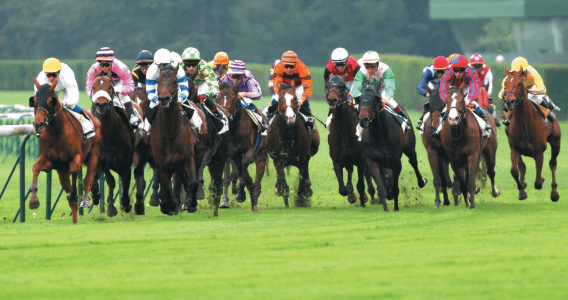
(519, 96)
(224, 103)
(108, 101)
(49, 115)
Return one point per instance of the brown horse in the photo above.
(246, 144)
(292, 144)
(62, 146)
(174, 145)
(118, 144)
(436, 155)
(384, 142)
(345, 149)
(528, 134)
(463, 142)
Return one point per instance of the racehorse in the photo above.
(384, 142)
(62, 146)
(345, 149)
(464, 142)
(291, 143)
(174, 144)
(436, 155)
(528, 134)
(246, 144)
(117, 148)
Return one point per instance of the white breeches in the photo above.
(299, 91)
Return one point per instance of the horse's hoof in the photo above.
(165, 209)
(224, 205)
(235, 189)
(191, 209)
(496, 193)
(537, 185)
(96, 198)
(86, 204)
(554, 196)
(477, 190)
(522, 195)
(34, 203)
(255, 209)
(111, 211)
(447, 202)
(437, 205)
(242, 196)
(139, 209)
(365, 199)
(352, 198)
(127, 208)
(200, 193)
(308, 192)
(523, 185)
(154, 200)
(343, 191)
(472, 207)
(423, 183)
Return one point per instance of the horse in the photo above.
(463, 142)
(345, 149)
(174, 145)
(246, 144)
(117, 148)
(436, 155)
(528, 135)
(291, 143)
(384, 142)
(62, 146)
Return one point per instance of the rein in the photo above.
(48, 116)
(518, 97)
(76, 130)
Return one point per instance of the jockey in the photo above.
(343, 65)
(121, 79)
(485, 77)
(458, 74)
(248, 88)
(374, 70)
(164, 57)
(207, 86)
(290, 70)
(270, 83)
(535, 87)
(143, 62)
(431, 77)
(220, 65)
(54, 69)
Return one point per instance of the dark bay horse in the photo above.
(174, 145)
(292, 144)
(117, 148)
(62, 146)
(463, 142)
(384, 142)
(246, 145)
(528, 135)
(345, 149)
(436, 155)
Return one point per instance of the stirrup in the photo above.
(506, 122)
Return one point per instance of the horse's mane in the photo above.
(226, 85)
(285, 87)
(43, 93)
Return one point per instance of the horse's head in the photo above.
(336, 91)
(103, 93)
(370, 104)
(227, 98)
(288, 104)
(168, 86)
(514, 88)
(455, 106)
(46, 105)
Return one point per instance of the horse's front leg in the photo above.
(260, 168)
(192, 183)
(155, 198)
(555, 150)
(282, 188)
(339, 175)
(460, 184)
(395, 191)
(166, 201)
(435, 167)
(515, 164)
(226, 183)
(539, 160)
(125, 199)
(473, 165)
(361, 184)
(139, 164)
(111, 183)
(41, 164)
(376, 173)
(442, 176)
(91, 162)
(71, 191)
(351, 197)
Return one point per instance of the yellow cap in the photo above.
(519, 62)
(451, 56)
(221, 58)
(51, 65)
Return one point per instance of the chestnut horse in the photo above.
(61, 146)
(345, 149)
(292, 144)
(436, 155)
(246, 145)
(174, 145)
(463, 142)
(118, 144)
(528, 135)
(384, 142)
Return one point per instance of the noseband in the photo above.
(519, 96)
(101, 93)
(49, 115)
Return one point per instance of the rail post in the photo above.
(48, 196)
(23, 178)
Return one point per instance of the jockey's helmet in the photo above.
(190, 53)
(51, 65)
(451, 56)
(163, 56)
(370, 58)
(221, 58)
(339, 55)
(476, 59)
(144, 57)
(440, 63)
(289, 57)
(105, 54)
(176, 57)
(519, 62)
(459, 61)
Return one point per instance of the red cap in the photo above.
(476, 59)
(440, 63)
(461, 63)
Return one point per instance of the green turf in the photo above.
(504, 249)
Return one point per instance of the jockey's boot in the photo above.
(480, 114)
(546, 103)
(258, 115)
(551, 105)
(506, 121)
(272, 109)
(219, 120)
(85, 121)
(134, 119)
(150, 116)
(404, 121)
(551, 117)
(306, 111)
(421, 120)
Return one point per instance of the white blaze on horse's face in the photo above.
(453, 114)
(289, 111)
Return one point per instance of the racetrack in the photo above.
(504, 248)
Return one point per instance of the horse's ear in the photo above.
(52, 86)
(36, 83)
(521, 70)
(507, 70)
(32, 101)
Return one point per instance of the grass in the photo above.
(505, 248)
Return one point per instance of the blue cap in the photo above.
(144, 56)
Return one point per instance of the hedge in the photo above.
(19, 74)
